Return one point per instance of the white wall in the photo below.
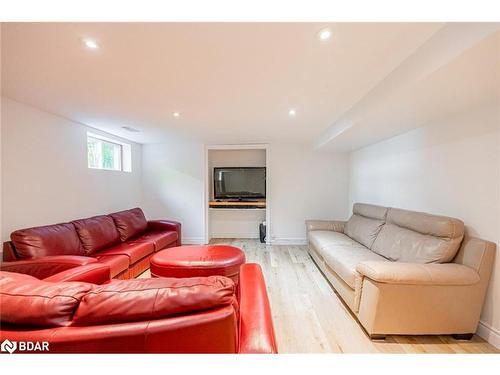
(304, 184)
(452, 168)
(173, 184)
(45, 178)
(230, 223)
(1, 109)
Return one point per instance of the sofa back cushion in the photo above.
(130, 223)
(32, 302)
(97, 233)
(365, 223)
(58, 239)
(417, 237)
(148, 299)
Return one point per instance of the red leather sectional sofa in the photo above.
(123, 240)
(164, 315)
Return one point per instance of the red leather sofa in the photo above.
(123, 240)
(164, 315)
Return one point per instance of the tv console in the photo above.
(237, 204)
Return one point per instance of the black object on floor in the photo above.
(262, 233)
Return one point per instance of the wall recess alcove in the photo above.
(230, 218)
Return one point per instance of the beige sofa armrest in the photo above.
(333, 225)
(418, 274)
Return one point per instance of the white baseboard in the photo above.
(234, 235)
(489, 333)
(193, 241)
(297, 241)
(288, 241)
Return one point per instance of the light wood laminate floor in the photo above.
(310, 318)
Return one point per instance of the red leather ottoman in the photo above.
(192, 261)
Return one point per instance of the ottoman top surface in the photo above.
(206, 256)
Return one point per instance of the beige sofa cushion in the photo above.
(323, 238)
(343, 259)
(365, 223)
(370, 210)
(419, 274)
(416, 237)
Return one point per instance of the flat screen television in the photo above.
(240, 183)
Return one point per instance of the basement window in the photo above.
(108, 154)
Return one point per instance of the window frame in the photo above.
(107, 140)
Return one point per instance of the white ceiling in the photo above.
(453, 73)
(232, 82)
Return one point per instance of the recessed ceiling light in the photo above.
(292, 112)
(176, 114)
(324, 34)
(89, 43)
(130, 129)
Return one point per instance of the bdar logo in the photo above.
(8, 346)
(24, 346)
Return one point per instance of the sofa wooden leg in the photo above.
(377, 337)
(462, 336)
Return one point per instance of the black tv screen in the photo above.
(240, 183)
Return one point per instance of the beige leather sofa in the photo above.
(404, 272)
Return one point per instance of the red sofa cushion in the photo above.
(97, 233)
(29, 301)
(134, 250)
(149, 299)
(130, 223)
(57, 239)
(160, 240)
(117, 263)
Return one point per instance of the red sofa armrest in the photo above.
(166, 225)
(9, 254)
(42, 268)
(94, 273)
(256, 324)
